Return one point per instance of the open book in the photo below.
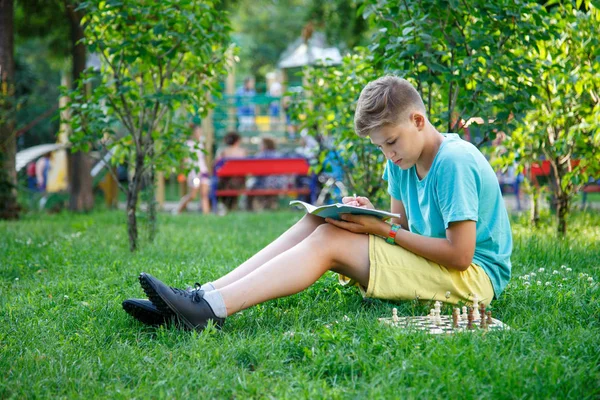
(334, 211)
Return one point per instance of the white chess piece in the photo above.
(395, 315)
(464, 315)
(476, 308)
(437, 313)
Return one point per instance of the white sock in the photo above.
(216, 302)
(207, 287)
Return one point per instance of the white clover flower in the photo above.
(560, 285)
(532, 274)
(555, 272)
(548, 283)
(565, 279)
(16, 279)
(569, 269)
(541, 270)
(590, 279)
(66, 297)
(526, 283)
(539, 283)
(563, 267)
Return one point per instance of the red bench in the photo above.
(543, 170)
(232, 167)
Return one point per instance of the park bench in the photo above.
(244, 167)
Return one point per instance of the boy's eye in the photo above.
(391, 143)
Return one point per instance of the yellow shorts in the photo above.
(398, 274)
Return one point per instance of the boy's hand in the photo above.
(361, 224)
(358, 201)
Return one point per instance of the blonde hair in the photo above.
(385, 101)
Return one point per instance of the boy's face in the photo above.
(402, 143)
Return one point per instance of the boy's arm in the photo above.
(455, 251)
(398, 208)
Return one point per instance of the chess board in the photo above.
(426, 324)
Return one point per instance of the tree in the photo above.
(160, 62)
(465, 58)
(80, 165)
(8, 145)
(563, 124)
(60, 22)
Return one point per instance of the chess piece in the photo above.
(395, 315)
(490, 321)
(438, 313)
(455, 317)
(464, 313)
(481, 311)
(482, 321)
(475, 306)
(470, 318)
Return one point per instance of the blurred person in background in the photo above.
(233, 149)
(198, 180)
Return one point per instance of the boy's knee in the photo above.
(327, 234)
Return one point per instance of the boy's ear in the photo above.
(418, 119)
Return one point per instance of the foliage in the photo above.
(265, 28)
(37, 81)
(465, 58)
(563, 124)
(160, 62)
(46, 20)
(326, 110)
(263, 32)
(63, 333)
(339, 19)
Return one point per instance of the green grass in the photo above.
(63, 333)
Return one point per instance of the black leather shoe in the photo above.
(144, 311)
(189, 307)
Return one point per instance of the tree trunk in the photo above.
(562, 196)
(8, 146)
(80, 164)
(535, 206)
(151, 203)
(149, 195)
(562, 210)
(133, 191)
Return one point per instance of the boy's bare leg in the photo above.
(327, 248)
(297, 233)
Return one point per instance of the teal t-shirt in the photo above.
(460, 185)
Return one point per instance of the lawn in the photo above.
(63, 333)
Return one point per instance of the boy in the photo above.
(453, 235)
